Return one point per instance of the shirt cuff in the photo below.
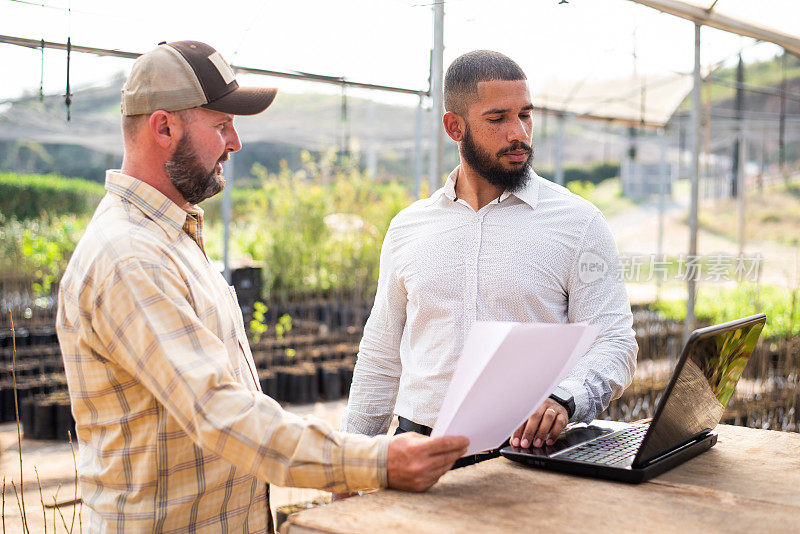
(583, 404)
(364, 460)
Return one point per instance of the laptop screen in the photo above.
(701, 386)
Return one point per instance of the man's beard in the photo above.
(188, 175)
(490, 168)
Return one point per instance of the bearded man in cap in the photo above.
(496, 243)
(174, 432)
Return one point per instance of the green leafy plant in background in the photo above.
(717, 305)
(581, 188)
(317, 230)
(259, 326)
(39, 248)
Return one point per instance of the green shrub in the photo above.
(29, 196)
(719, 305)
(39, 248)
(593, 173)
(310, 237)
(583, 189)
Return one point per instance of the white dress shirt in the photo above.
(541, 254)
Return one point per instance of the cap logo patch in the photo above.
(224, 69)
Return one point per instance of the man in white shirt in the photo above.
(496, 243)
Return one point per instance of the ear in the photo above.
(454, 126)
(165, 128)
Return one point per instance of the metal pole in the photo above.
(695, 178)
(662, 186)
(418, 150)
(735, 159)
(437, 98)
(372, 149)
(740, 179)
(227, 195)
(782, 121)
(560, 150)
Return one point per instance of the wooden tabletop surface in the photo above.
(748, 482)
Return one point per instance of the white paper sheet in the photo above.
(505, 372)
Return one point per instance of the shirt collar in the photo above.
(528, 194)
(157, 207)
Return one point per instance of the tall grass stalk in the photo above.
(55, 506)
(19, 431)
(20, 506)
(80, 509)
(41, 499)
(4, 505)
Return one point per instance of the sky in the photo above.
(374, 41)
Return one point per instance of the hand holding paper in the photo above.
(505, 372)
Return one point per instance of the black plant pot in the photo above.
(44, 423)
(346, 375)
(282, 384)
(330, 383)
(312, 384)
(41, 335)
(64, 420)
(27, 416)
(292, 393)
(22, 337)
(269, 383)
(6, 401)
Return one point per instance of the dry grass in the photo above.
(772, 214)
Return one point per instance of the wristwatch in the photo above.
(565, 399)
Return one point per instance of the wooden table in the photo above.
(748, 482)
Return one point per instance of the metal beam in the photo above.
(294, 75)
(705, 17)
(418, 150)
(437, 99)
(695, 178)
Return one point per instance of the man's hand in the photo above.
(416, 462)
(549, 420)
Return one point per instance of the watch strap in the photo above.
(565, 399)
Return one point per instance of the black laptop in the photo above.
(690, 407)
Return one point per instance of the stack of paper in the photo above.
(505, 372)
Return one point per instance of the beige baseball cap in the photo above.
(189, 74)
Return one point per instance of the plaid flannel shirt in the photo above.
(174, 433)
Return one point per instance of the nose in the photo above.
(233, 143)
(520, 131)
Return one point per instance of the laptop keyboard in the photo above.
(617, 449)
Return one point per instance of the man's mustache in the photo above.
(519, 145)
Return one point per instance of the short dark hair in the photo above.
(463, 75)
(132, 123)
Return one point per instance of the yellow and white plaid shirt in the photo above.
(174, 433)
